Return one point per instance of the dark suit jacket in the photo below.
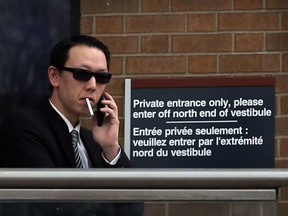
(37, 137)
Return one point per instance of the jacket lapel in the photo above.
(60, 129)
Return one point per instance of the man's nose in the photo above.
(91, 83)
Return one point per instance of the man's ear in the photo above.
(54, 76)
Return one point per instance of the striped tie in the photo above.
(75, 140)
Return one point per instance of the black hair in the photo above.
(59, 54)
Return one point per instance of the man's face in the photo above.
(72, 93)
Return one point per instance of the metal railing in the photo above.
(141, 184)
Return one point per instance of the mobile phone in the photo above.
(100, 115)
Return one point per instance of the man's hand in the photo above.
(107, 134)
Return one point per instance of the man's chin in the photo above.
(86, 115)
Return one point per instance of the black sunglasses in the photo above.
(85, 75)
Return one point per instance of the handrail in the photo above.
(144, 178)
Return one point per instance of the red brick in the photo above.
(284, 104)
(201, 22)
(202, 43)
(115, 86)
(86, 25)
(285, 63)
(281, 163)
(277, 4)
(155, 6)
(284, 147)
(111, 6)
(156, 65)
(121, 44)
(277, 149)
(277, 41)
(109, 24)
(248, 21)
(155, 23)
(154, 44)
(116, 65)
(249, 42)
(281, 84)
(281, 126)
(200, 5)
(248, 4)
(249, 63)
(285, 21)
(202, 64)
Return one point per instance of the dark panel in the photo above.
(28, 30)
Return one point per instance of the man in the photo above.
(40, 136)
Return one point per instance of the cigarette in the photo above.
(89, 107)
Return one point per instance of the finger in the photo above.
(110, 103)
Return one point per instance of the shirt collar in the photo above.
(68, 123)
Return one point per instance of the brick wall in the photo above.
(186, 38)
